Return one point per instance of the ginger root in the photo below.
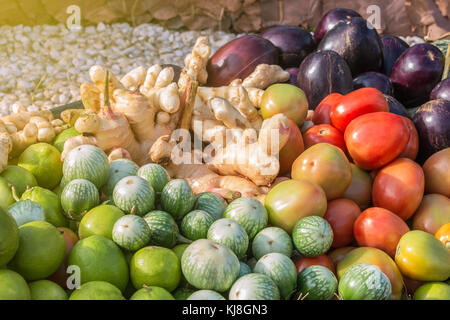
(195, 64)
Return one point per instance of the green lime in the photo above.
(50, 202)
(97, 290)
(100, 259)
(20, 178)
(44, 161)
(152, 293)
(41, 250)
(63, 136)
(155, 266)
(179, 249)
(46, 290)
(99, 221)
(6, 196)
(9, 237)
(13, 286)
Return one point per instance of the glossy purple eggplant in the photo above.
(238, 58)
(441, 91)
(322, 73)
(358, 43)
(294, 43)
(293, 73)
(393, 47)
(396, 107)
(331, 18)
(417, 71)
(433, 125)
(373, 80)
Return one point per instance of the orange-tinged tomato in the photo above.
(433, 213)
(291, 200)
(322, 111)
(412, 147)
(292, 149)
(304, 262)
(341, 215)
(360, 188)
(399, 187)
(324, 133)
(375, 139)
(378, 258)
(338, 254)
(325, 165)
(436, 169)
(443, 235)
(355, 104)
(379, 228)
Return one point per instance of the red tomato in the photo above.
(375, 139)
(292, 149)
(322, 111)
(355, 104)
(412, 147)
(338, 254)
(304, 262)
(399, 187)
(341, 215)
(324, 133)
(379, 228)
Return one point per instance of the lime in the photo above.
(13, 286)
(152, 293)
(46, 290)
(99, 221)
(179, 249)
(20, 178)
(50, 202)
(63, 136)
(6, 196)
(44, 161)
(97, 290)
(41, 250)
(155, 266)
(100, 259)
(9, 237)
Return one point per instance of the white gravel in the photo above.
(43, 66)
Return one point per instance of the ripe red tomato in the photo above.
(355, 104)
(324, 133)
(341, 215)
(292, 149)
(304, 262)
(412, 147)
(379, 228)
(375, 139)
(322, 111)
(399, 187)
(338, 254)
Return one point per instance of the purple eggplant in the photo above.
(393, 47)
(373, 80)
(433, 125)
(293, 73)
(441, 91)
(396, 107)
(238, 58)
(331, 18)
(294, 43)
(358, 43)
(322, 73)
(416, 73)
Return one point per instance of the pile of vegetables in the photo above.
(351, 203)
